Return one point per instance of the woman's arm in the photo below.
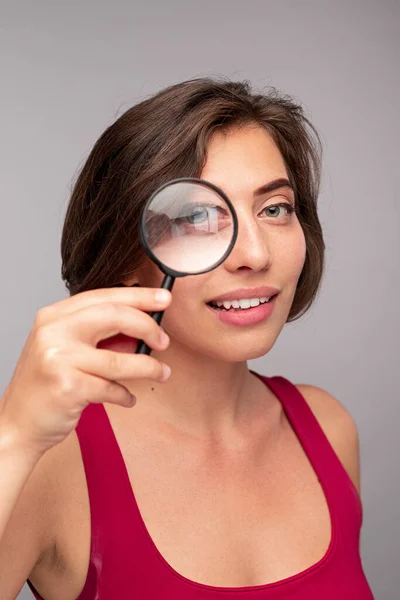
(24, 520)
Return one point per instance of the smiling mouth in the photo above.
(241, 305)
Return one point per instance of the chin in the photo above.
(234, 352)
(244, 355)
(239, 345)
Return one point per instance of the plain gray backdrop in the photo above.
(69, 69)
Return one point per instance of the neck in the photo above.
(203, 397)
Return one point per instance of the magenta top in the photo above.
(125, 563)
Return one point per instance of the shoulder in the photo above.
(338, 426)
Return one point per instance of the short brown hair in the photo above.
(165, 137)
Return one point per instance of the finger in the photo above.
(146, 299)
(103, 390)
(95, 323)
(119, 366)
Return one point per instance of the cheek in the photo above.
(187, 298)
(293, 254)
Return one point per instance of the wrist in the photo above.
(13, 444)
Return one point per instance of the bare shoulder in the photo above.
(338, 426)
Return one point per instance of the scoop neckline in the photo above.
(252, 588)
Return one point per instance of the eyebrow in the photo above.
(273, 185)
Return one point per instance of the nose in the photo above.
(251, 248)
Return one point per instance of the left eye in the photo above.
(288, 207)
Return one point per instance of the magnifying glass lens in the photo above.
(188, 227)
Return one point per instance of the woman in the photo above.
(220, 481)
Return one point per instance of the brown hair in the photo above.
(165, 137)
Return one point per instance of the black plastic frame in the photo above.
(166, 270)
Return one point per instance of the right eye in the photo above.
(198, 215)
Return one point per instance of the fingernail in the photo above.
(164, 339)
(166, 372)
(133, 400)
(162, 295)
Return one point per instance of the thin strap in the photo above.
(109, 493)
(104, 469)
(338, 486)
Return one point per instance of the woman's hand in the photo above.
(72, 358)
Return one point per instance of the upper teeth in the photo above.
(245, 303)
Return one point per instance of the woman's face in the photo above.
(269, 251)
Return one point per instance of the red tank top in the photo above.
(126, 564)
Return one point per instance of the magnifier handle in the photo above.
(142, 347)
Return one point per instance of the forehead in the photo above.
(243, 159)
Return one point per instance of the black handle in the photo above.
(142, 347)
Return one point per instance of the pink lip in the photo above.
(242, 293)
(248, 316)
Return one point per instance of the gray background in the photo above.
(69, 69)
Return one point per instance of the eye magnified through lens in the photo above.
(188, 226)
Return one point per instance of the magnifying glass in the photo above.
(188, 227)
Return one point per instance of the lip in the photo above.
(242, 293)
(245, 317)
